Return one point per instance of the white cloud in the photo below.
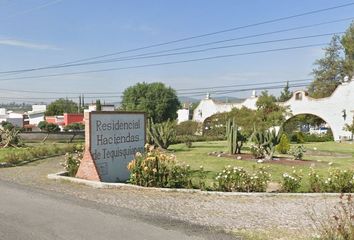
(25, 44)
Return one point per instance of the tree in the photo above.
(348, 45)
(271, 113)
(328, 71)
(61, 106)
(286, 94)
(98, 105)
(158, 101)
(48, 127)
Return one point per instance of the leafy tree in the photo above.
(286, 94)
(61, 106)
(271, 113)
(158, 101)
(328, 71)
(74, 127)
(348, 45)
(48, 127)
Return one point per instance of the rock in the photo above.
(239, 158)
(219, 155)
(260, 161)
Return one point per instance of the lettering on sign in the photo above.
(115, 138)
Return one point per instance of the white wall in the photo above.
(183, 115)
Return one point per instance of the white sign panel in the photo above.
(115, 138)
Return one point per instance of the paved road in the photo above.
(28, 213)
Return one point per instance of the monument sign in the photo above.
(111, 141)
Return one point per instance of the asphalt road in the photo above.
(28, 213)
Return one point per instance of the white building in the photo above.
(9, 116)
(208, 107)
(37, 114)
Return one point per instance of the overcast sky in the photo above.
(37, 33)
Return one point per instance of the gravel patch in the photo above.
(229, 213)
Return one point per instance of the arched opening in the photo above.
(308, 128)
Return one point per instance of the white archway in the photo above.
(337, 109)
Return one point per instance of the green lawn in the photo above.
(340, 154)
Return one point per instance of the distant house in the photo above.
(36, 115)
(16, 119)
(66, 119)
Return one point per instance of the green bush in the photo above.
(236, 179)
(291, 182)
(157, 169)
(316, 181)
(187, 128)
(161, 134)
(197, 138)
(32, 153)
(297, 152)
(318, 137)
(298, 137)
(284, 144)
(72, 163)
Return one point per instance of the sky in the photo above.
(40, 33)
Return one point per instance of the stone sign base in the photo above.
(87, 169)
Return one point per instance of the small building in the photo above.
(70, 118)
(36, 115)
(15, 119)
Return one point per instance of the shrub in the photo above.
(284, 144)
(291, 182)
(340, 181)
(298, 137)
(318, 137)
(72, 163)
(237, 179)
(157, 169)
(297, 152)
(316, 182)
(187, 128)
(202, 175)
(32, 153)
(257, 151)
(161, 134)
(266, 140)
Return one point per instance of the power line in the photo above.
(195, 51)
(178, 90)
(218, 92)
(12, 72)
(210, 34)
(167, 63)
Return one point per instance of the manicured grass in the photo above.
(340, 154)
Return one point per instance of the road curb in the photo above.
(95, 184)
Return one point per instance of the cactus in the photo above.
(235, 138)
(267, 140)
(161, 134)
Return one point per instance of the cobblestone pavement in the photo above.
(230, 213)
